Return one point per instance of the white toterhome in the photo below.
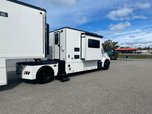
(24, 34)
(77, 50)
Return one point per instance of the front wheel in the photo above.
(44, 75)
(106, 65)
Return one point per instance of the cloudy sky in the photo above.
(127, 21)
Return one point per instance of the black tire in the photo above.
(44, 75)
(106, 65)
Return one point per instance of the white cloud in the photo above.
(59, 16)
(119, 27)
(129, 12)
(132, 38)
(62, 2)
(120, 14)
(82, 20)
(145, 5)
(66, 12)
(139, 17)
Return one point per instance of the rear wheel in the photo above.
(106, 65)
(44, 75)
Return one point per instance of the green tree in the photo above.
(109, 45)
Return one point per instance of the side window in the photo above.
(93, 43)
(47, 39)
(56, 38)
(76, 49)
(76, 56)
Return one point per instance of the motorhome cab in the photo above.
(55, 54)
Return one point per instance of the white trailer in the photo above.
(24, 35)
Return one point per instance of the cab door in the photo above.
(57, 45)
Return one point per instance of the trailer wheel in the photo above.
(106, 65)
(44, 75)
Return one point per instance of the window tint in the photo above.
(47, 39)
(56, 38)
(76, 56)
(93, 43)
(76, 49)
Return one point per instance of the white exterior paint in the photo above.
(80, 66)
(71, 39)
(91, 53)
(3, 77)
(33, 70)
(22, 33)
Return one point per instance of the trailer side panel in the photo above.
(22, 31)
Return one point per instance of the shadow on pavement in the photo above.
(14, 81)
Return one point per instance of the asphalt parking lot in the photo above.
(126, 88)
